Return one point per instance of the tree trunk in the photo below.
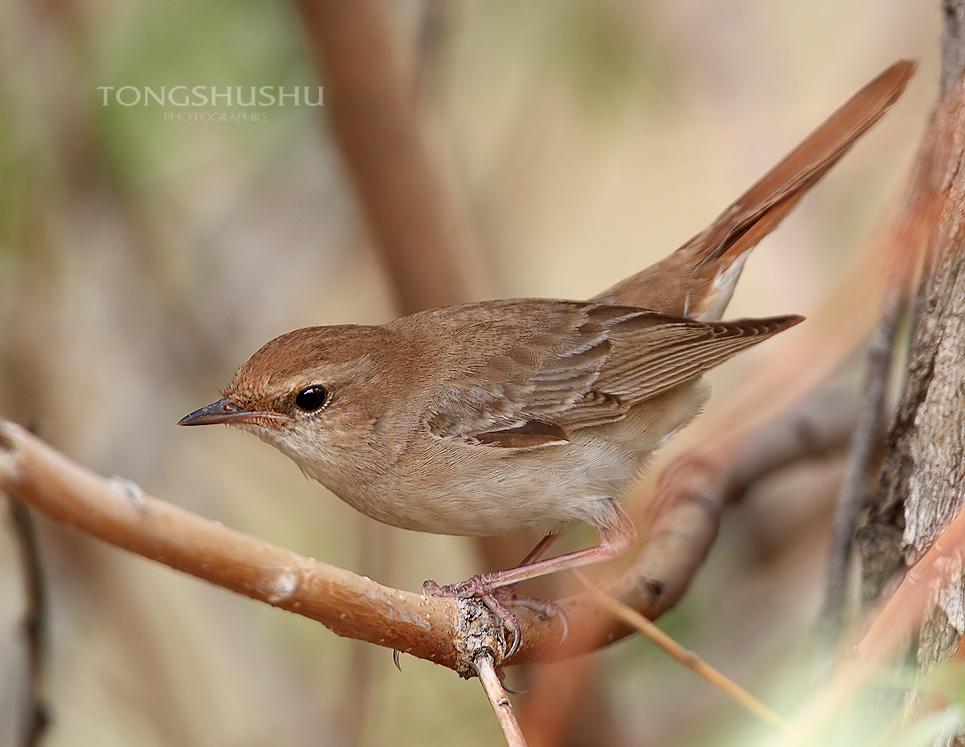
(922, 483)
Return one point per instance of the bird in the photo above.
(485, 418)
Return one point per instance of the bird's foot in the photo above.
(498, 600)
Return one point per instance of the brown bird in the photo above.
(486, 418)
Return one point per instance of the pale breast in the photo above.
(454, 487)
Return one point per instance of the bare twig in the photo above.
(499, 701)
(438, 629)
(855, 488)
(34, 624)
(120, 513)
(445, 631)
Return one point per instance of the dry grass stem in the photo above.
(686, 657)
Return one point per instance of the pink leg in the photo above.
(615, 540)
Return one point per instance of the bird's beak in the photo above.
(225, 410)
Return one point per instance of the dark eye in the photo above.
(311, 398)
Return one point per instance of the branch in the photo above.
(702, 483)
(692, 493)
(419, 232)
(865, 442)
(441, 630)
(929, 222)
(118, 512)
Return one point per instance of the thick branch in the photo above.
(118, 512)
(920, 490)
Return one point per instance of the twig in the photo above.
(375, 549)
(34, 624)
(855, 488)
(503, 709)
(118, 512)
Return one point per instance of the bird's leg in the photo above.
(616, 539)
(499, 600)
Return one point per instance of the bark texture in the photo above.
(920, 488)
(922, 484)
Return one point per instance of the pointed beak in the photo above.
(225, 410)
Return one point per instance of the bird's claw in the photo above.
(497, 600)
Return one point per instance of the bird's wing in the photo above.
(565, 365)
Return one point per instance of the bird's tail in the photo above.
(698, 279)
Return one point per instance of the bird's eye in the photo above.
(311, 398)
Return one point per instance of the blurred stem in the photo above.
(376, 551)
(409, 209)
(35, 712)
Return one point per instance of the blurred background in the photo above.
(143, 260)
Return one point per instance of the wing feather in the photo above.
(560, 366)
